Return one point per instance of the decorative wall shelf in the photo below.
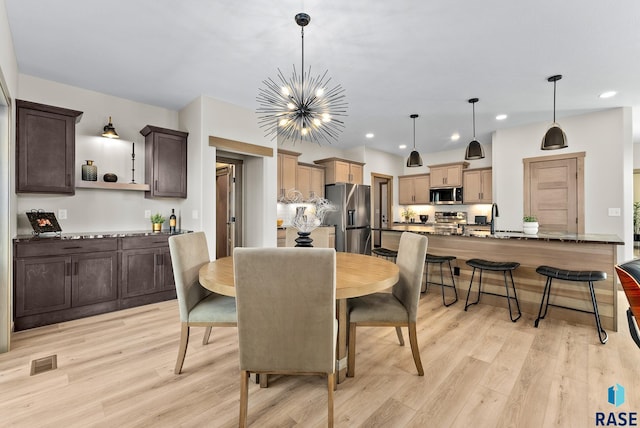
(112, 186)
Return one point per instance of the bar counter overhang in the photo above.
(566, 251)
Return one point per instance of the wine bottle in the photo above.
(172, 221)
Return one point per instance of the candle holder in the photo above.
(133, 163)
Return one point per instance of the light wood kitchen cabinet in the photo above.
(342, 171)
(447, 175)
(287, 172)
(282, 238)
(165, 162)
(477, 184)
(45, 148)
(413, 189)
(310, 181)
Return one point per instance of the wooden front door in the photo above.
(553, 192)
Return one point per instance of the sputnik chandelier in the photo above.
(302, 107)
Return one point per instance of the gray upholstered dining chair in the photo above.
(199, 307)
(398, 308)
(286, 315)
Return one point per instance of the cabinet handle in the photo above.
(71, 248)
(68, 180)
(67, 269)
(75, 269)
(155, 185)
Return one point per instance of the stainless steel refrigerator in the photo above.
(352, 218)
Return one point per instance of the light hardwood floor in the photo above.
(481, 370)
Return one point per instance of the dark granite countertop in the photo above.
(502, 234)
(94, 235)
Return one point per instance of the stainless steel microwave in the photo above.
(449, 196)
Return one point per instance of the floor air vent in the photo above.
(45, 364)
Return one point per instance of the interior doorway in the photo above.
(554, 192)
(381, 198)
(228, 205)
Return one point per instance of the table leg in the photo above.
(341, 349)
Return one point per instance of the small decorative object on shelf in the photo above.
(530, 225)
(89, 171)
(110, 177)
(173, 221)
(156, 222)
(133, 163)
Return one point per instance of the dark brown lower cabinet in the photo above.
(146, 271)
(59, 280)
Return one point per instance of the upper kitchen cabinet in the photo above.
(477, 186)
(287, 172)
(413, 189)
(165, 162)
(447, 175)
(342, 171)
(310, 181)
(45, 148)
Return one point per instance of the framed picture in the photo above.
(43, 222)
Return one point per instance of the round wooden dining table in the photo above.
(356, 275)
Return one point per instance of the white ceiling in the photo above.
(393, 58)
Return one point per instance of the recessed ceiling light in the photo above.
(608, 94)
(501, 117)
(369, 135)
(455, 137)
(402, 146)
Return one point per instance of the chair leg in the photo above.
(351, 352)
(602, 335)
(330, 387)
(264, 380)
(545, 296)
(413, 340)
(426, 279)
(400, 338)
(207, 334)
(453, 284)
(182, 349)
(466, 302)
(244, 398)
(515, 297)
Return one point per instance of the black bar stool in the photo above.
(503, 267)
(588, 276)
(431, 258)
(386, 253)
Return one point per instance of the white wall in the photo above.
(221, 119)
(605, 137)
(8, 89)
(92, 210)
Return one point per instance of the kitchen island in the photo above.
(566, 251)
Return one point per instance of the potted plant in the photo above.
(407, 213)
(156, 222)
(530, 224)
(636, 221)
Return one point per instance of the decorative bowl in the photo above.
(110, 177)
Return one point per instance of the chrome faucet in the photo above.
(494, 214)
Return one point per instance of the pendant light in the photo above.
(554, 138)
(109, 131)
(414, 159)
(474, 149)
